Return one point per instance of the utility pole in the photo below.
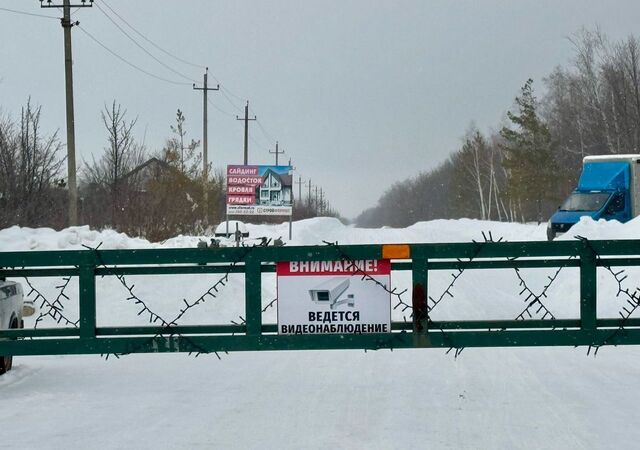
(316, 201)
(309, 196)
(321, 201)
(205, 149)
(300, 183)
(246, 131)
(68, 75)
(277, 153)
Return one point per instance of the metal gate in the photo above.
(163, 335)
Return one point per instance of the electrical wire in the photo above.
(179, 83)
(265, 132)
(224, 94)
(166, 66)
(223, 89)
(227, 94)
(226, 113)
(25, 13)
(166, 52)
(262, 147)
(234, 95)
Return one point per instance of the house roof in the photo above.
(162, 164)
(285, 178)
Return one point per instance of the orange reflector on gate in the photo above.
(396, 251)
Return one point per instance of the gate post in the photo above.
(420, 298)
(588, 289)
(87, 282)
(253, 295)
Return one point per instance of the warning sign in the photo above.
(323, 297)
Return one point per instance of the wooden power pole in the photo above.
(68, 77)
(246, 131)
(205, 148)
(277, 153)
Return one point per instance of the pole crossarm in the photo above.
(52, 4)
(277, 152)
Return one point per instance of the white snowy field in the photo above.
(487, 398)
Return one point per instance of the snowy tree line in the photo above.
(523, 169)
(155, 194)
(127, 187)
(151, 193)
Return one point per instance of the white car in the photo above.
(12, 310)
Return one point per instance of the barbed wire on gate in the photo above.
(631, 304)
(359, 272)
(534, 300)
(168, 325)
(53, 309)
(271, 304)
(242, 320)
(400, 303)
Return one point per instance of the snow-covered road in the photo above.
(487, 398)
(501, 398)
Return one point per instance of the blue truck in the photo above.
(608, 188)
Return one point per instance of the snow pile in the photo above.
(488, 398)
(24, 239)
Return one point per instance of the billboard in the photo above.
(329, 297)
(260, 190)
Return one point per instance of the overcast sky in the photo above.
(360, 94)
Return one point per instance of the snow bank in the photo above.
(488, 398)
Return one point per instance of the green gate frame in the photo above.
(253, 335)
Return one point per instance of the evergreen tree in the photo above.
(529, 157)
(181, 153)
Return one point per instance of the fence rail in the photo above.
(165, 335)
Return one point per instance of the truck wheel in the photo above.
(550, 234)
(6, 362)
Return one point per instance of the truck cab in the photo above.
(608, 188)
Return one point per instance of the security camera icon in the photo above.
(329, 292)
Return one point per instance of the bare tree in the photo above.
(30, 171)
(120, 156)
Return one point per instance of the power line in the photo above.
(267, 135)
(234, 95)
(25, 13)
(179, 83)
(264, 131)
(262, 147)
(226, 113)
(222, 90)
(177, 58)
(166, 66)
